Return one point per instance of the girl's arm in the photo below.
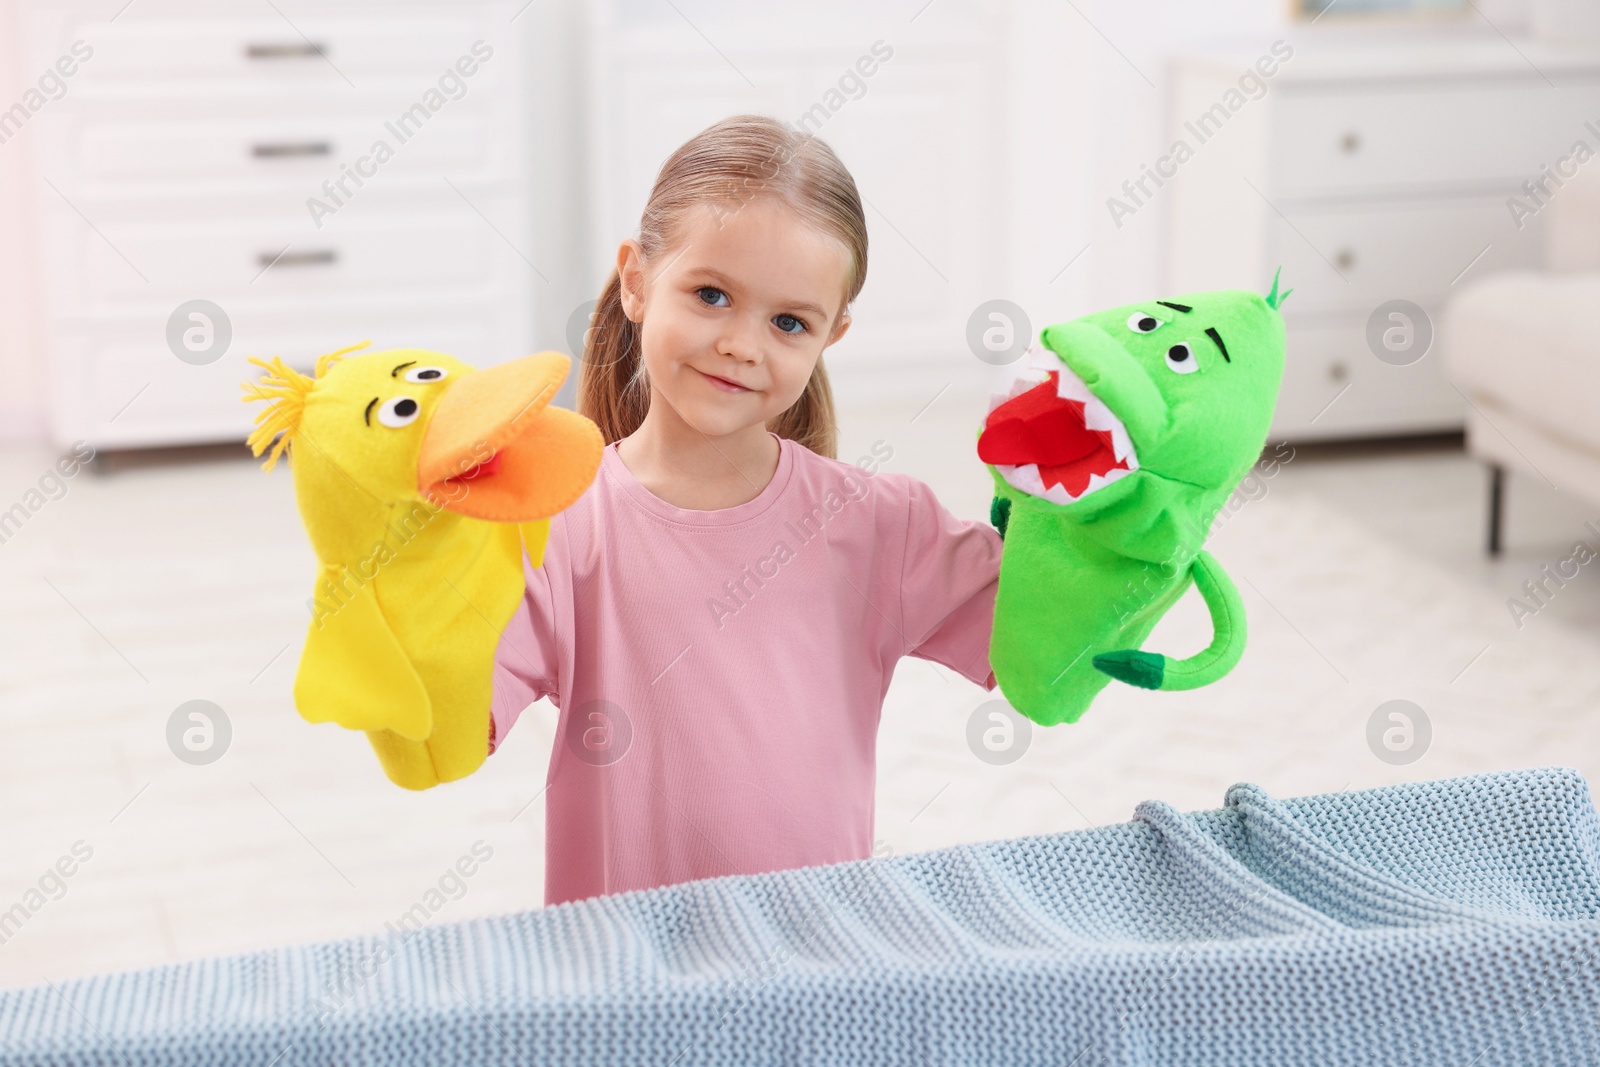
(950, 571)
(527, 661)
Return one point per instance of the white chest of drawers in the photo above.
(323, 174)
(1370, 173)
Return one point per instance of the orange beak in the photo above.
(495, 449)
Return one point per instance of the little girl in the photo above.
(719, 615)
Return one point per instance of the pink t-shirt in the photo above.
(720, 674)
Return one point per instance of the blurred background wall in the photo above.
(1043, 110)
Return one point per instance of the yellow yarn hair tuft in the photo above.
(287, 389)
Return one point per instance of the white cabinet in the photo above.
(1369, 173)
(322, 174)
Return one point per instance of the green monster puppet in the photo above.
(1118, 445)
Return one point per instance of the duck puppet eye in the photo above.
(1139, 322)
(426, 374)
(396, 411)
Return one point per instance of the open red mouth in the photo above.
(1044, 444)
(478, 470)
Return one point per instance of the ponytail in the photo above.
(810, 420)
(612, 391)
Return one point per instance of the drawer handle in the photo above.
(293, 50)
(1350, 142)
(1345, 258)
(290, 150)
(1338, 372)
(317, 257)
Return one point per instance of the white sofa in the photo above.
(1524, 348)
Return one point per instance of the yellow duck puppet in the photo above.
(420, 480)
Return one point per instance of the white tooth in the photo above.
(1050, 361)
(1039, 356)
(1022, 385)
(1030, 472)
(1057, 494)
(1024, 477)
(1096, 416)
(1121, 443)
(1016, 388)
(1070, 387)
(1107, 478)
(1027, 478)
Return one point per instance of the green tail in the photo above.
(1151, 670)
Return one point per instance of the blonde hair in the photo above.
(727, 163)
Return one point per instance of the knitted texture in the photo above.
(1450, 921)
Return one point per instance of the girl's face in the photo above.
(734, 316)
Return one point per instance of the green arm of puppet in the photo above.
(1152, 670)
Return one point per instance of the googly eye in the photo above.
(1139, 322)
(398, 411)
(426, 374)
(1180, 357)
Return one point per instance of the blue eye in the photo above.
(704, 289)
(783, 322)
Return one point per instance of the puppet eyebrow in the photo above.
(366, 416)
(1175, 307)
(402, 367)
(1211, 332)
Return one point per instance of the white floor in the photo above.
(152, 585)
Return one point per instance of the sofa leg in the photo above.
(1497, 487)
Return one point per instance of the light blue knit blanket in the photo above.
(1447, 922)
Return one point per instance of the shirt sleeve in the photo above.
(950, 571)
(526, 665)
